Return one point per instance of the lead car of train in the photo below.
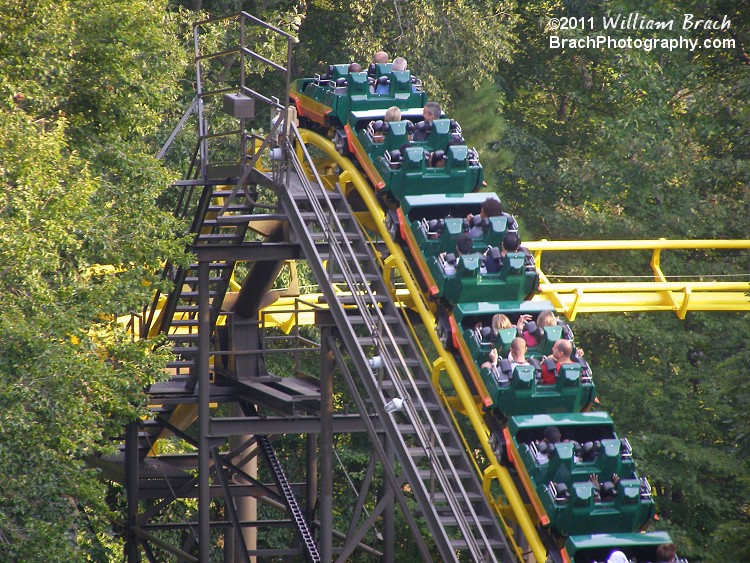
(582, 482)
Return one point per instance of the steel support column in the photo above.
(131, 485)
(389, 527)
(204, 453)
(326, 448)
(311, 493)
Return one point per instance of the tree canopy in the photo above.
(597, 143)
(83, 89)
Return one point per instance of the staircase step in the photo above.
(302, 200)
(361, 256)
(236, 205)
(218, 237)
(495, 544)
(349, 299)
(387, 385)
(462, 474)
(230, 220)
(181, 364)
(213, 266)
(398, 340)
(430, 406)
(319, 236)
(184, 322)
(448, 518)
(356, 319)
(368, 276)
(439, 497)
(183, 337)
(185, 350)
(211, 279)
(408, 429)
(419, 453)
(194, 294)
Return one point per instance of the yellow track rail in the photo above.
(461, 398)
(568, 298)
(627, 295)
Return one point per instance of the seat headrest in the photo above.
(384, 80)
(456, 139)
(341, 82)
(608, 489)
(532, 328)
(476, 221)
(436, 158)
(436, 225)
(423, 126)
(550, 364)
(577, 448)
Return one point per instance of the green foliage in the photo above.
(81, 87)
(628, 144)
(597, 143)
(482, 124)
(452, 46)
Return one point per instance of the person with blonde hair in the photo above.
(499, 322)
(393, 113)
(516, 356)
(618, 556)
(545, 318)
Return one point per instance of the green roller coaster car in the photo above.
(339, 93)
(412, 173)
(596, 548)
(557, 476)
(427, 188)
(520, 390)
(436, 221)
(470, 282)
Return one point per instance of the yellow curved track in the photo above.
(569, 299)
(459, 398)
(657, 294)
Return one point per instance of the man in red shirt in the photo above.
(561, 351)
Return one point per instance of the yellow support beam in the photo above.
(445, 362)
(627, 295)
(570, 299)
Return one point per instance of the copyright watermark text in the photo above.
(611, 32)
